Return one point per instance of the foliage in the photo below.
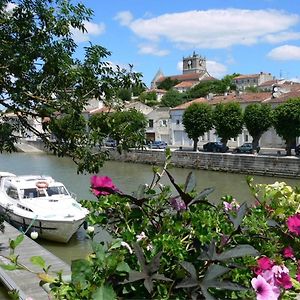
(172, 98)
(124, 94)
(286, 121)
(204, 88)
(126, 127)
(41, 78)
(167, 84)
(183, 246)
(149, 98)
(228, 120)
(258, 119)
(252, 89)
(197, 119)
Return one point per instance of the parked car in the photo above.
(110, 143)
(158, 145)
(297, 150)
(215, 147)
(245, 148)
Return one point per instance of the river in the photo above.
(126, 176)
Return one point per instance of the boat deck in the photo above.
(25, 282)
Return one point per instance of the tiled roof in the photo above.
(186, 84)
(284, 97)
(268, 83)
(246, 76)
(187, 77)
(161, 91)
(100, 110)
(233, 97)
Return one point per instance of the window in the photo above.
(177, 122)
(12, 192)
(246, 138)
(150, 123)
(163, 123)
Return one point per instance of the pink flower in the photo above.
(284, 280)
(264, 291)
(265, 263)
(293, 223)
(102, 185)
(288, 252)
(231, 205)
(298, 276)
(177, 203)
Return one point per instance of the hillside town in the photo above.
(165, 123)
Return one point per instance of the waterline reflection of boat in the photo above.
(41, 203)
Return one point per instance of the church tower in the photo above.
(194, 64)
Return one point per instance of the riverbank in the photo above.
(266, 165)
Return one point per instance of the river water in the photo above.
(127, 177)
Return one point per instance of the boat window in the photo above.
(30, 193)
(56, 190)
(12, 192)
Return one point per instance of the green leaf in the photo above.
(241, 212)
(215, 271)
(38, 261)
(123, 267)
(238, 251)
(190, 183)
(9, 267)
(104, 292)
(13, 244)
(201, 196)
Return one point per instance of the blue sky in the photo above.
(245, 37)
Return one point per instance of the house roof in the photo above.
(185, 84)
(284, 97)
(100, 110)
(188, 77)
(159, 91)
(233, 97)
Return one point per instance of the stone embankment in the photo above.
(280, 166)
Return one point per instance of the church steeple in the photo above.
(158, 75)
(194, 64)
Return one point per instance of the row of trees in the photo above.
(228, 121)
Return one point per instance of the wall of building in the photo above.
(227, 162)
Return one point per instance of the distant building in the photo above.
(252, 80)
(194, 71)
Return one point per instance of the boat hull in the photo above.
(53, 230)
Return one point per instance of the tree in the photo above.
(222, 86)
(124, 94)
(40, 78)
(228, 120)
(128, 128)
(257, 118)
(286, 121)
(167, 84)
(171, 98)
(149, 98)
(197, 119)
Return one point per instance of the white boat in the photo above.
(40, 204)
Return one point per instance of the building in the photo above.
(252, 80)
(270, 139)
(158, 125)
(194, 71)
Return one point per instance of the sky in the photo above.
(234, 36)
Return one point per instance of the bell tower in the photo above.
(194, 64)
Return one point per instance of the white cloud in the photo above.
(124, 17)
(212, 28)
(282, 37)
(10, 6)
(93, 29)
(286, 52)
(152, 49)
(180, 66)
(216, 69)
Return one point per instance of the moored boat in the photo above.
(41, 204)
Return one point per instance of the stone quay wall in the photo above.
(280, 166)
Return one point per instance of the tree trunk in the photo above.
(255, 142)
(195, 144)
(289, 144)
